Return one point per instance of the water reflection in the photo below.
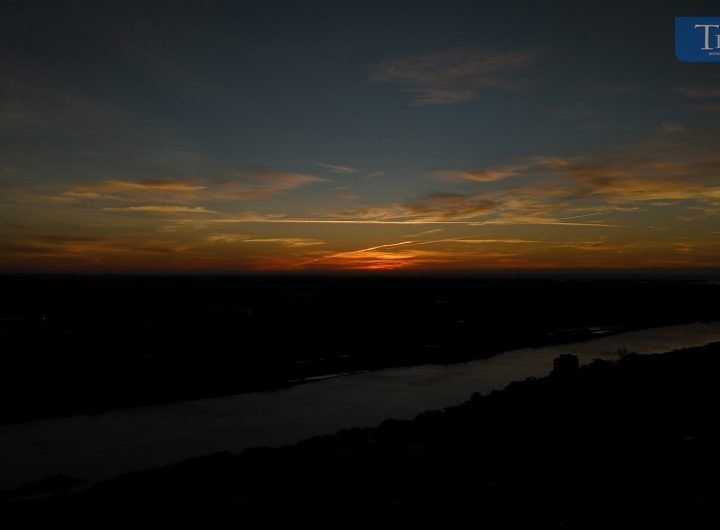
(93, 447)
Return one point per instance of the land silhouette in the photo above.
(626, 443)
(84, 344)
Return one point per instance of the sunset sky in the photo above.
(298, 136)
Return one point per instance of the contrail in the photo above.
(401, 243)
(579, 216)
(330, 256)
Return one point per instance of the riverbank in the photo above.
(85, 345)
(626, 443)
(101, 446)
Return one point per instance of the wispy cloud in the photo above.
(420, 222)
(699, 91)
(250, 184)
(671, 128)
(345, 195)
(452, 76)
(660, 172)
(161, 209)
(391, 256)
(290, 242)
(525, 205)
(123, 189)
(337, 169)
(382, 259)
(480, 175)
(491, 241)
(426, 232)
(521, 205)
(348, 170)
(438, 208)
(679, 165)
(264, 182)
(450, 206)
(524, 253)
(287, 241)
(378, 173)
(705, 107)
(51, 246)
(359, 253)
(163, 185)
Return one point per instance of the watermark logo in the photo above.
(697, 39)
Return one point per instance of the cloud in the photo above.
(408, 221)
(672, 127)
(426, 232)
(448, 253)
(662, 172)
(596, 246)
(227, 238)
(121, 189)
(386, 260)
(345, 195)
(580, 190)
(250, 184)
(450, 206)
(525, 205)
(492, 241)
(433, 207)
(161, 209)
(705, 107)
(379, 173)
(481, 175)
(452, 76)
(366, 213)
(264, 182)
(671, 167)
(577, 190)
(347, 170)
(375, 257)
(337, 169)
(398, 255)
(699, 91)
(290, 242)
(164, 185)
(250, 217)
(553, 161)
(86, 246)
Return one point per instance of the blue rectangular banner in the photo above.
(697, 39)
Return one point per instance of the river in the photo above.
(114, 442)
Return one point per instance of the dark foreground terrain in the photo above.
(77, 345)
(628, 444)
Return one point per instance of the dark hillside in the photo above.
(632, 443)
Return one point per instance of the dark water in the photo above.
(107, 444)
